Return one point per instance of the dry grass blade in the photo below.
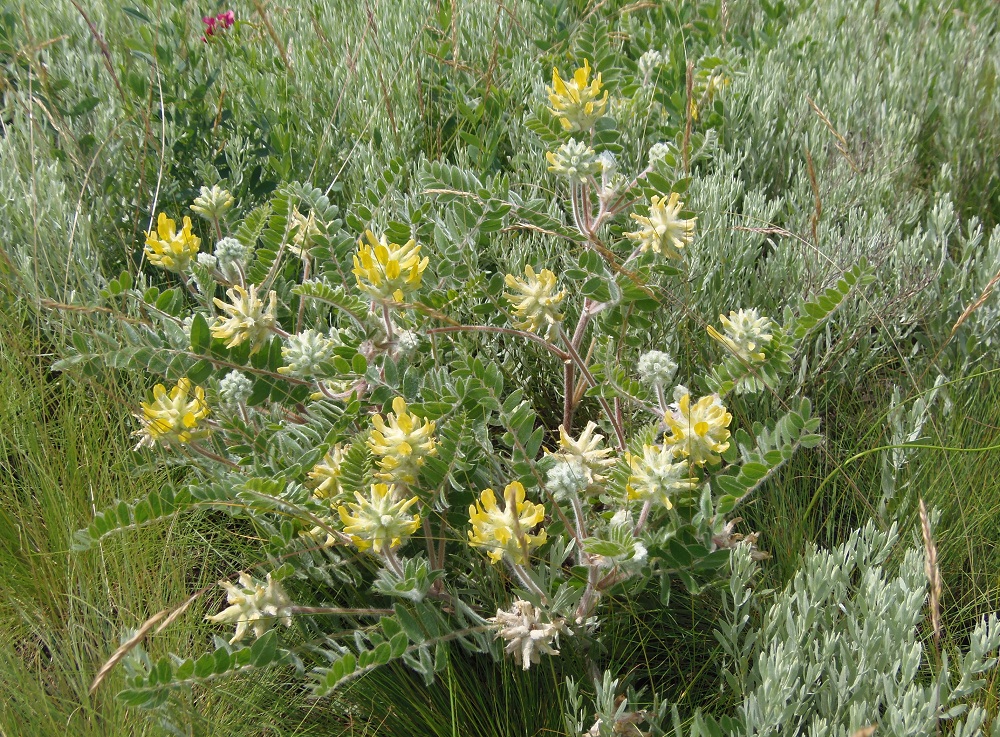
(932, 570)
(126, 646)
(841, 141)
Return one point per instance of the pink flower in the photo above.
(219, 22)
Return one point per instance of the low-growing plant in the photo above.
(345, 387)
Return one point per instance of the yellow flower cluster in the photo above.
(254, 604)
(167, 248)
(506, 530)
(577, 102)
(326, 474)
(662, 231)
(380, 520)
(536, 305)
(699, 431)
(248, 319)
(173, 417)
(588, 451)
(386, 270)
(402, 444)
(656, 477)
(744, 333)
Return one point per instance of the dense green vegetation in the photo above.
(844, 131)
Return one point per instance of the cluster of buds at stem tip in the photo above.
(305, 353)
(212, 203)
(574, 160)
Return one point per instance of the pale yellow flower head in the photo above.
(326, 475)
(402, 444)
(380, 520)
(386, 270)
(507, 530)
(175, 417)
(577, 102)
(254, 604)
(744, 334)
(699, 431)
(655, 475)
(212, 203)
(589, 452)
(574, 160)
(662, 231)
(307, 230)
(167, 248)
(248, 319)
(536, 304)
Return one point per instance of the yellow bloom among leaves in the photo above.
(699, 431)
(577, 102)
(745, 334)
(173, 417)
(386, 270)
(402, 444)
(656, 477)
(536, 304)
(662, 231)
(167, 248)
(380, 520)
(326, 474)
(506, 530)
(248, 319)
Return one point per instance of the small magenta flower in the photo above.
(216, 23)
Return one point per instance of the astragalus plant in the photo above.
(345, 387)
